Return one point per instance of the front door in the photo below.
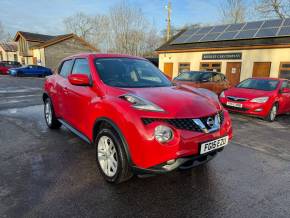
(79, 96)
(261, 69)
(233, 72)
(168, 69)
(284, 101)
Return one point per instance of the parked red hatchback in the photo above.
(263, 97)
(131, 112)
(6, 65)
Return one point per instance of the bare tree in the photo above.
(233, 11)
(273, 8)
(131, 31)
(3, 34)
(80, 24)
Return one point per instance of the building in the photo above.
(240, 51)
(48, 51)
(8, 51)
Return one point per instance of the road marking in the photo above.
(14, 101)
(23, 96)
(19, 90)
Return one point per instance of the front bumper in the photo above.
(190, 162)
(147, 153)
(250, 108)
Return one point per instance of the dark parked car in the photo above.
(6, 65)
(30, 70)
(213, 81)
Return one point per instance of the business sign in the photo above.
(222, 56)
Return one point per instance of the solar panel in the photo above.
(191, 31)
(272, 23)
(227, 35)
(235, 27)
(210, 37)
(267, 32)
(246, 34)
(250, 30)
(287, 22)
(195, 38)
(204, 30)
(219, 29)
(285, 31)
(253, 25)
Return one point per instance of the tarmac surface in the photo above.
(46, 173)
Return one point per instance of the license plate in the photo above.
(213, 145)
(234, 104)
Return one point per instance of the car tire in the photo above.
(272, 113)
(49, 115)
(111, 157)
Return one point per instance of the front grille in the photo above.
(235, 108)
(186, 123)
(232, 98)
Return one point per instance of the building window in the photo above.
(15, 57)
(211, 66)
(285, 70)
(1, 56)
(183, 67)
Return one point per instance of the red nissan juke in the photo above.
(138, 121)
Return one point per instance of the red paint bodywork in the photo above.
(81, 106)
(4, 69)
(275, 96)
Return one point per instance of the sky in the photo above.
(46, 16)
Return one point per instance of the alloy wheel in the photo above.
(273, 113)
(107, 156)
(48, 113)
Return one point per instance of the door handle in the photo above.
(65, 90)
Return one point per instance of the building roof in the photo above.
(258, 33)
(60, 38)
(9, 46)
(34, 37)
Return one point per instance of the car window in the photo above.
(216, 78)
(259, 84)
(130, 73)
(81, 66)
(285, 84)
(66, 68)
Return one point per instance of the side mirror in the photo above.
(79, 80)
(285, 90)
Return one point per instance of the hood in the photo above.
(248, 93)
(180, 101)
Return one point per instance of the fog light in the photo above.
(163, 134)
(259, 110)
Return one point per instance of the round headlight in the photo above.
(163, 134)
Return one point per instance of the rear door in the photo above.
(61, 89)
(284, 100)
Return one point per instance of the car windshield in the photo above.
(130, 73)
(259, 84)
(194, 76)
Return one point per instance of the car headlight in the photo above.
(141, 103)
(260, 100)
(222, 95)
(163, 134)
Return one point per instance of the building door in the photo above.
(233, 72)
(34, 60)
(168, 69)
(261, 69)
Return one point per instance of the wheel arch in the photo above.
(104, 121)
(44, 96)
